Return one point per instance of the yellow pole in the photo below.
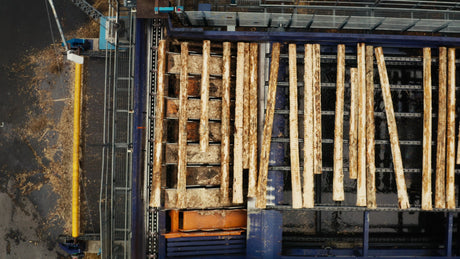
(76, 154)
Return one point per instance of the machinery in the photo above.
(281, 129)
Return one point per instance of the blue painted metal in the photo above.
(374, 253)
(162, 230)
(204, 7)
(172, 243)
(208, 238)
(450, 225)
(265, 234)
(137, 219)
(365, 233)
(402, 41)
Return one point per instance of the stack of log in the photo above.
(214, 110)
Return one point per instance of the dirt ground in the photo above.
(36, 127)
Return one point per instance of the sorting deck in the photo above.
(209, 104)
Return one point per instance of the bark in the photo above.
(238, 142)
(337, 192)
(182, 153)
(403, 199)
(308, 165)
(268, 127)
(155, 196)
(427, 131)
(440, 194)
(204, 123)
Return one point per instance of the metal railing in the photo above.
(116, 176)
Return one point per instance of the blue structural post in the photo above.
(265, 227)
(365, 233)
(161, 230)
(449, 226)
(137, 219)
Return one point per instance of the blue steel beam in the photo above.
(365, 233)
(137, 219)
(401, 41)
(450, 225)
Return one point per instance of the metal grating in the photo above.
(383, 15)
(116, 176)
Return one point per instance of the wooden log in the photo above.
(225, 152)
(361, 185)
(337, 191)
(155, 195)
(194, 155)
(317, 101)
(204, 127)
(196, 198)
(403, 199)
(253, 121)
(308, 125)
(370, 129)
(194, 86)
(294, 129)
(353, 136)
(193, 111)
(450, 157)
(182, 153)
(268, 127)
(440, 193)
(427, 128)
(193, 134)
(198, 175)
(246, 108)
(238, 141)
(195, 64)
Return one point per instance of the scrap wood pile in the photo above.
(207, 99)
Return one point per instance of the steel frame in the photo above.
(117, 159)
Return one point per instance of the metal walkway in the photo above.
(116, 176)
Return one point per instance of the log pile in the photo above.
(214, 120)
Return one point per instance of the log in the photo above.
(225, 152)
(196, 198)
(440, 194)
(370, 129)
(193, 111)
(361, 185)
(182, 142)
(427, 128)
(450, 157)
(268, 127)
(193, 134)
(337, 191)
(403, 199)
(308, 125)
(195, 64)
(194, 86)
(155, 195)
(294, 129)
(194, 155)
(253, 121)
(246, 108)
(317, 101)
(202, 175)
(353, 137)
(238, 141)
(204, 127)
